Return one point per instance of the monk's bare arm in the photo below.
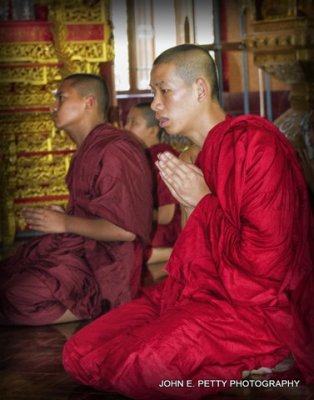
(52, 221)
(165, 214)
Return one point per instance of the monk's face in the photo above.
(69, 109)
(137, 124)
(174, 101)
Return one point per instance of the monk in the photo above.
(239, 292)
(89, 258)
(142, 123)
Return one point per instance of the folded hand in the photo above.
(185, 181)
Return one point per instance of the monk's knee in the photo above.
(25, 303)
(72, 355)
(73, 362)
(70, 358)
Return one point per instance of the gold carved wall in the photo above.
(75, 37)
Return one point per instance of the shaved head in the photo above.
(147, 113)
(89, 84)
(191, 62)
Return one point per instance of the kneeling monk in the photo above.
(239, 294)
(90, 258)
(142, 123)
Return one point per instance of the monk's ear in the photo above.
(90, 102)
(203, 89)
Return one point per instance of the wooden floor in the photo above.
(31, 369)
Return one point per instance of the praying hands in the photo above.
(184, 180)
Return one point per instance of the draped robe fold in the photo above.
(109, 178)
(239, 294)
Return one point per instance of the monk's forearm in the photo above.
(165, 214)
(97, 229)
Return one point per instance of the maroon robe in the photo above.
(239, 294)
(163, 235)
(109, 178)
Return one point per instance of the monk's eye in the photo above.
(164, 91)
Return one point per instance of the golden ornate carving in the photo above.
(32, 75)
(279, 41)
(43, 142)
(281, 10)
(85, 11)
(288, 72)
(63, 52)
(27, 122)
(8, 221)
(90, 68)
(19, 100)
(91, 51)
(28, 52)
(290, 123)
(28, 174)
(73, 55)
(25, 95)
(284, 46)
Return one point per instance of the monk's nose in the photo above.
(156, 104)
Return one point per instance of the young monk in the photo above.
(90, 256)
(166, 216)
(239, 294)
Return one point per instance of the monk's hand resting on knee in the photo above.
(185, 181)
(55, 207)
(46, 219)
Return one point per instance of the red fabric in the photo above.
(163, 235)
(239, 294)
(109, 178)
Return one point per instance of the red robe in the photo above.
(239, 294)
(163, 235)
(109, 177)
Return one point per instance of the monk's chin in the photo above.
(170, 131)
